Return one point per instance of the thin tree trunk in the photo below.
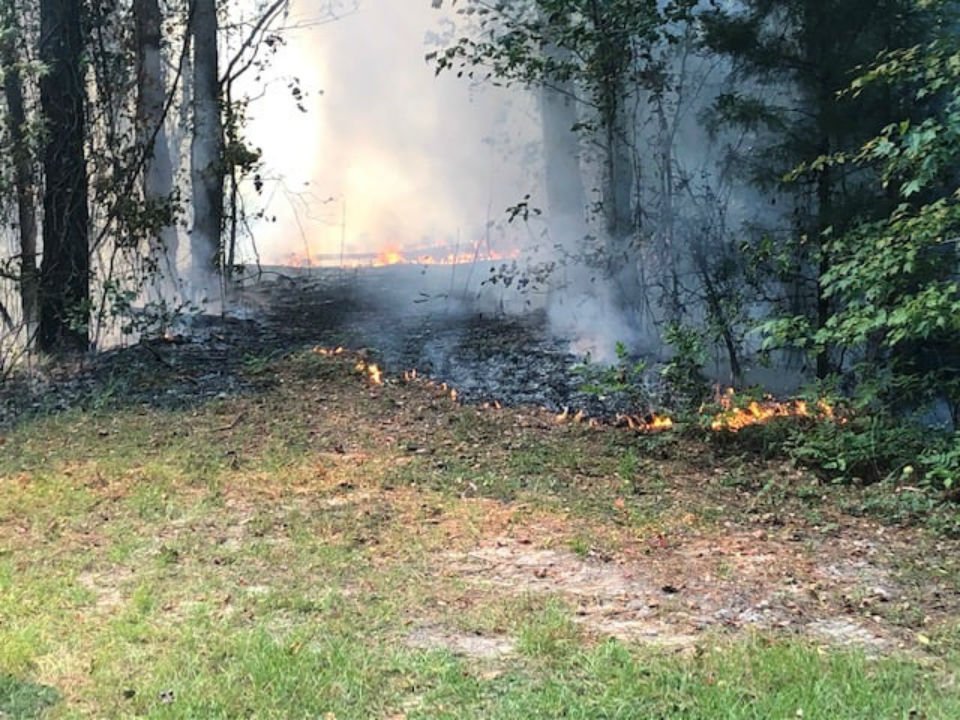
(207, 170)
(151, 130)
(23, 175)
(65, 270)
(566, 198)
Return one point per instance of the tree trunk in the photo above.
(65, 270)
(566, 198)
(151, 130)
(613, 60)
(23, 175)
(207, 147)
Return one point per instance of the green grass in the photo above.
(269, 557)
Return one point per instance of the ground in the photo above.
(318, 546)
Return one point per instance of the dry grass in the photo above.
(293, 553)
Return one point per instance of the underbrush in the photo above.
(908, 474)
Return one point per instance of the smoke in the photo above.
(388, 159)
(387, 156)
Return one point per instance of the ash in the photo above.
(490, 346)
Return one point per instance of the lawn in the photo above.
(328, 548)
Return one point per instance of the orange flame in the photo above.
(329, 352)
(389, 256)
(733, 418)
(393, 254)
(649, 423)
(371, 370)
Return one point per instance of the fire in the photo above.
(756, 412)
(651, 423)
(389, 256)
(329, 352)
(372, 370)
(393, 255)
(648, 423)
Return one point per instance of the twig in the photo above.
(232, 424)
(157, 356)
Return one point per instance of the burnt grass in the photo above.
(397, 316)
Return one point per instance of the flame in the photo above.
(658, 423)
(389, 256)
(393, 254)
(329, 352)
(371, 370)
(648, 423)
(733, 418)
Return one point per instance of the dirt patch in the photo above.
(671, 593)
(105, 589)
(482, 647)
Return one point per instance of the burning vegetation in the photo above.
(734, 414)
(390, 255)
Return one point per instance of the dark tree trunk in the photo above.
(65, 271)
(23, 175)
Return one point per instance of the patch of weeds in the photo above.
(661, 445)
(738, 477)
(167, 556)
(153, 501)
(908, 506)
(254, 365)
(24, 700)
(580, 546)
(549, 634)
(628, 467)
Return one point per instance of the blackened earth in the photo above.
(487, 342)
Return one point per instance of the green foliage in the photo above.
(941, 464)
(683, 374)
(866, 449)
(598, 42)
(151, 319)
(625, 378)
(893, 285)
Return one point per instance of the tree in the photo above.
(792, 58)
(206, 157)
(65, 269)
(597, 52)
(158, 180)
(21, 153)
(893, 282)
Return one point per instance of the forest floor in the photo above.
(322, 547)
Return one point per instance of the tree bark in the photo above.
(23, 175)
(65, 270)
(151, 129)
(207, 168)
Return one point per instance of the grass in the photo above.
(270, 556)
